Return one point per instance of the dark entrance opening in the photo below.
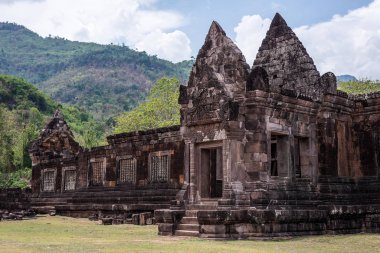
(279, 166)
(211, 179)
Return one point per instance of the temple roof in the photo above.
(220, 64)
(286, 61)
(56, 137)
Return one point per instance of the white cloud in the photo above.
(180, 44)
(17, 1)
(249, 34)
(348, 44)
(117, 21)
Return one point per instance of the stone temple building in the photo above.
(272, 150)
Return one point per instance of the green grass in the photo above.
(62, 234)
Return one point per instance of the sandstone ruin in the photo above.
(272, 150)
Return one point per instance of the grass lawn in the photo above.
(63, 234)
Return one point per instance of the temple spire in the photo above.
(278, 20)
(58, 114)
(286, 61)
(220, 64)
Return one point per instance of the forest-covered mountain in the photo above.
(103, 79)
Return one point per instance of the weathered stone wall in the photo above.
(272, 113)
(140, 144)
(15, 199)
(348, 136)
(366, 124)
(336, 151)
(110, 195)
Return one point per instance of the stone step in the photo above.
(189, 220)
(191, 213)
(112, 207)
(42, 209)
(109, 199)
(203, 206)
(48, 199)
(186, 233)
(48, 203)
(121, 195)
(127, 193)
(188, 227)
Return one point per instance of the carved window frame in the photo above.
(119, 159)
(64, 170)
(48, 170)
(102, 160)
(153, 175)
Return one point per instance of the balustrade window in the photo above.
(159, 167)
(127, 170)
(97, 169)
(69, 178)
(48, 180)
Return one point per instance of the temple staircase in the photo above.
(189, 225)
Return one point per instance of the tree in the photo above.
(7, 131)
(30, 123)
(160, 109)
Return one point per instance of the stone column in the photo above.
(226, 161)
(313, 153)
(186, 162)
(292, 172)
(192, 174)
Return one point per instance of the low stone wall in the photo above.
(15, 204)
(252, 223)
(15, 198)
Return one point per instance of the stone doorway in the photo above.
(211, 173)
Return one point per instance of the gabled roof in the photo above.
(285, 59)
(56, 137)
(220, 64)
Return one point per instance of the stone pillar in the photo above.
(226, 161)
(292, 172)
(186, 162)
(192, 174)
(313, 153)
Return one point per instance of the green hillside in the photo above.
(103, 79)
(363, 86)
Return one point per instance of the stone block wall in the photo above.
(140, 144)
(15, 199)
(98, 184)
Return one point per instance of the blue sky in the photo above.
(342, 36)
(200, 14)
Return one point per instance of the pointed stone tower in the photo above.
(220, 64)
(217, 79)
(286, 62)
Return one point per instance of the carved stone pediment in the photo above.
(56, 140)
